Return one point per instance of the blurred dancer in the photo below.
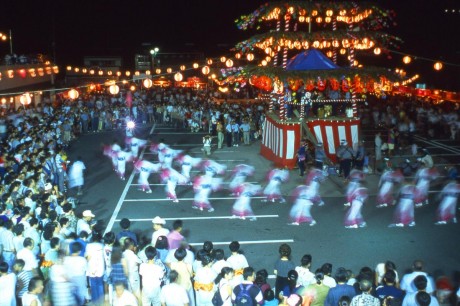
(187, 163)
(242, 207)
(272, 190)
(300, 211)
(239, 175)
(404, 213)
(314, 178)
(354, 182)
(115, 148)
(135, 143)
(171, 177)
(122, 158)
(448, 205)
(386, 184)
(354, 217)
(145, 168)
(76, 178)
(213, 168)
(203, 185)
(423, 177)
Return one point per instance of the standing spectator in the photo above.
(220, 134)
(185, 272)
(365, 298)
(223, 285)
(132, 263)
(302, 156)
(345, 157)
(407, 283)
(23, 279)
(378, 147)
(228, 130)
(7, 242)
(26, 254)
(94, 253)
(245, 128)
(359, 156)
(125, 224)
(31, 297)
(173, 294)
(306, 277)
(237, 261)
(76, 179)
(320, 156)
(60, 161)
(317, 292)
(85, 224)
(175, 238)
(282, 266)
(7, 285)
(152, 276)
(158, 229)
(76, 271)
(247, 288)
(342, 289)
(236, 133)
(204, 282)
(391, 141)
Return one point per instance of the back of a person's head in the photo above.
(366, 273)
(219, 254)
(284, 250)
(418, 265)
(248, 272)
(208, 246)
(341, 275)
(344, 301)
(4, 267)
(206, 260)
(75, 247)
(150, 252)
(326, 268)
(234, 246)
(162, 243)
(269, 295)
(365, 285)
(125, 223)
(128, 243)
(389, 277)
(422, 298)
(177, 225)
(173, 275)
(420, 282)
(306, 260)
(180, 254)
(33, 283)
(109, 238)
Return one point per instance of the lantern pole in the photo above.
(11, 43)
(334, 28)
(351, 51)
(278, 27)
(287, 18)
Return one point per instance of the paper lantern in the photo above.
(437, 66)
(147, 83)
(25, 99)
(100, 72)
(238, 55)
(407, 59)
(69, 68)
(316, 44)
(22, 73)
(110, 72)
(84, 70)
(335, 43)
(250, 56)
(55, 69)
(319, 19)
(182, 67)
(329, 54)
(209, 61)
(132, 88)
(137, 73)
(329, 13)
(223, 59)
(91, 71)
(205, 70)
(178, 77)
(128, 73)
(195, 65)
(168, 70)
(377, 51)
(118, 73)
(114, 89)
(229, 63)
(158, 71)
(343, 51)
(77, 69)
(73, 94)
(264, 63)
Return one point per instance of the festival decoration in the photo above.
(73, 94)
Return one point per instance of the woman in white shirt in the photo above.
(224, 286)
(204, 282)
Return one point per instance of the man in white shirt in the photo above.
(407, 283)
(123, 297)
(173, 294)
(26, 254)
(152, 275)
(133, 262)
(84, 224)
(96, 268)
(158, 229)
(76, 269)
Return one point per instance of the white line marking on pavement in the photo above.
(202, 218)
(245, 242)
(184, 199)
(180, 133)
(123, 194)
(224, 183)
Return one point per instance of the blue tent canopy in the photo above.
(310, 60)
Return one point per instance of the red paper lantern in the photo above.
(345, 85)
(310, 85)
(321, 84)
(334, 84)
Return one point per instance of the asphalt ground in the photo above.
(112, 199)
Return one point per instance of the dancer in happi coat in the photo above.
(272, 190)
(158, 148)
(354, 217)
(135, 144)
(188, 162)
(171, 177)
(168, 156)
(213, 168)
(145, 167)
(239, 175)
(314, 178)
(242, 207)
(354, 181)
(404, 213)
(423, 177)
(122, 158)
(448, 205)
(386, 184)
(114, 149)
(300, 211)
(76, 177)
(202, 186)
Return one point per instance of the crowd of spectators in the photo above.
(50, 252)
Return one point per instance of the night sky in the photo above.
(113, 27)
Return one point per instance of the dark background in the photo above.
(119, 28)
